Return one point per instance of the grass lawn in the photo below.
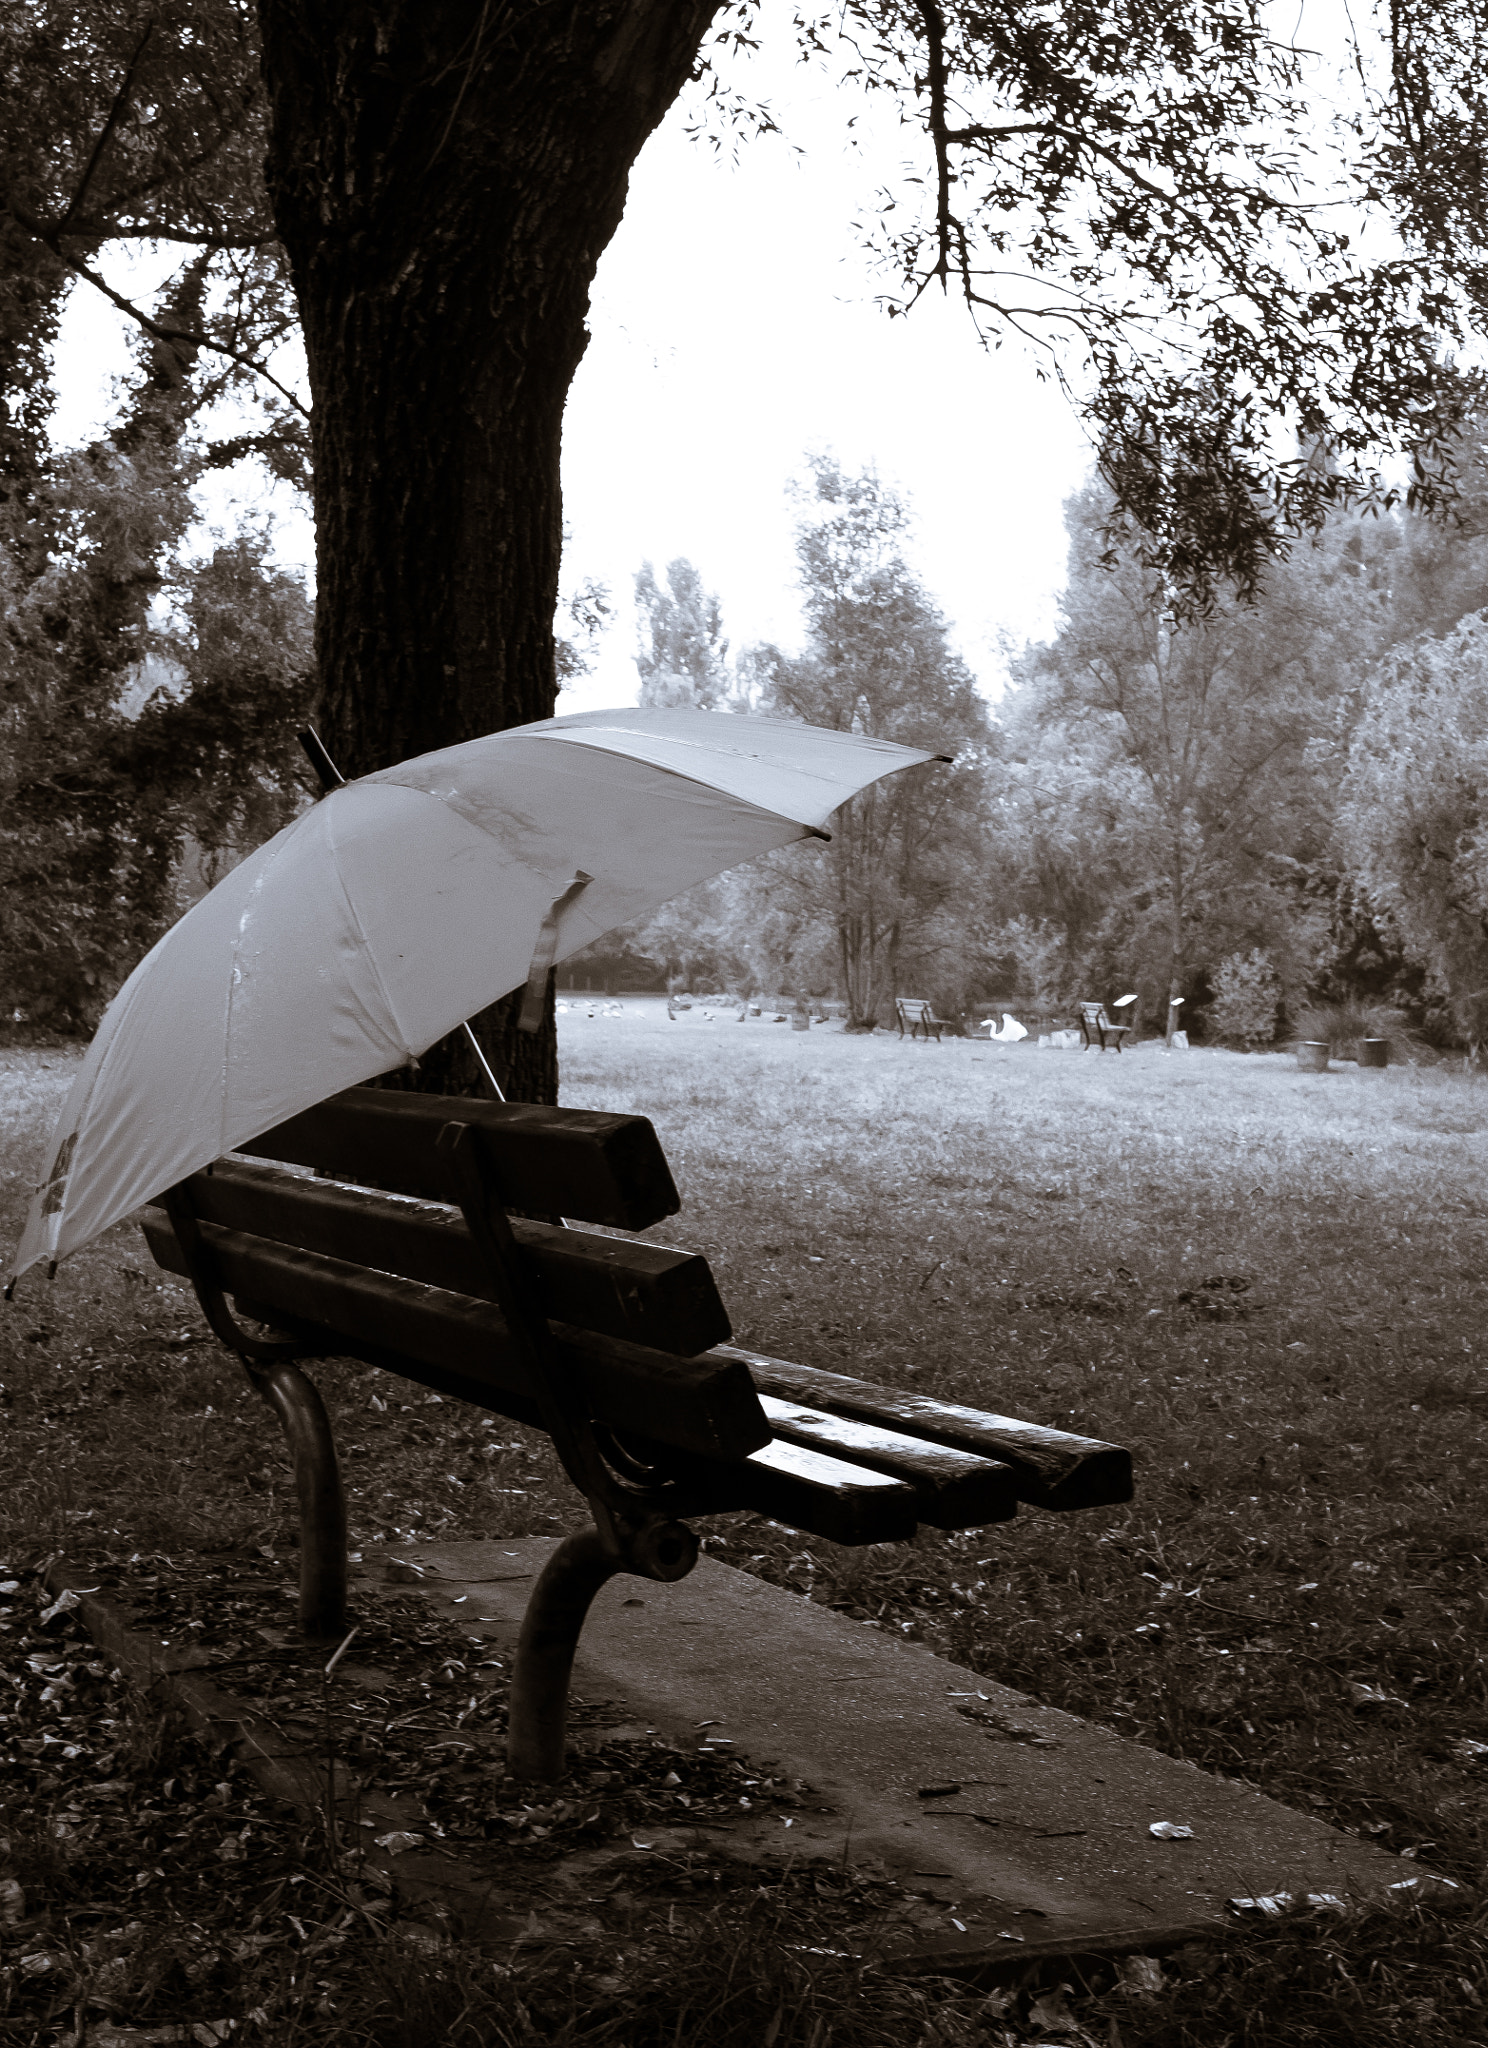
(1270, 1285)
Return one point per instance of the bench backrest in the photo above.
(1095, 1016)
(583, 1163)
(403, 1283)
(913, 1009)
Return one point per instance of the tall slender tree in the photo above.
(878, 661)
(683, 647)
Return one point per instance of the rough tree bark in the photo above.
(445, 177)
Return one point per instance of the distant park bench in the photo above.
(919, 1016)
(615, 1346)
(1096, 1028)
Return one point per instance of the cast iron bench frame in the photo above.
(427, 1254)
(1096, 1027)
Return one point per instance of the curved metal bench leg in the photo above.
(537, 1728)
(295, 1399)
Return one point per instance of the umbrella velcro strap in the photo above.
(544, 953)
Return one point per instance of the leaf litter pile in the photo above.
(152, 1892)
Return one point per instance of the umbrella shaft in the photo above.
(485, 1063)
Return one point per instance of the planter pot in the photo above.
(1374, 1052)
(1312, 1056)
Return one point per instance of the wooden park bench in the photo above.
(1096, 1028)
(427, 1241)
(919, 1016)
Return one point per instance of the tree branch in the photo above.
(51, 240)
(121, 101)
(934, 22)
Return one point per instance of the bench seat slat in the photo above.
(806, 1490)
(644, 1292)
(953, 1489)
(584, 1163)
(1052, 1469)
(705, 1405)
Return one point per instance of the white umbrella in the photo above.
(400, 905)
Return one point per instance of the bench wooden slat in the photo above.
(646, 1293)
(824, 1496)
(807, 1490)
(583, 1163)
(952, 1489)
(1051, 1468)
(705, 1405)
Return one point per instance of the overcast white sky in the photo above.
(734, 327)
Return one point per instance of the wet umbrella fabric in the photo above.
(403, 903)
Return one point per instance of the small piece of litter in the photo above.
(1170, 1831)
(959, 1925)
(1143, 1974)
(1003, 1934)
(1278, 1902)
(637, 1843)
(1364, 1697)
(397, 1842)
(64, 1604)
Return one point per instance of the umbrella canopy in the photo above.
(401, 904)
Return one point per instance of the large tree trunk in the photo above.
(445, 178)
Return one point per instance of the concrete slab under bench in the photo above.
(1034, 1828)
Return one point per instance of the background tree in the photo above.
(1414, 816)
(143, 123)
(148, 706)
(683, 651)
(584, 616)
(878, 661)
(1207, 723)
(146, 697)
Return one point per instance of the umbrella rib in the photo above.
(399, 1029)
(388, 778)
(703, 781)
(240, 939)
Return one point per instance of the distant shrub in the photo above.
(1247, 995)
(1340, 1026)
